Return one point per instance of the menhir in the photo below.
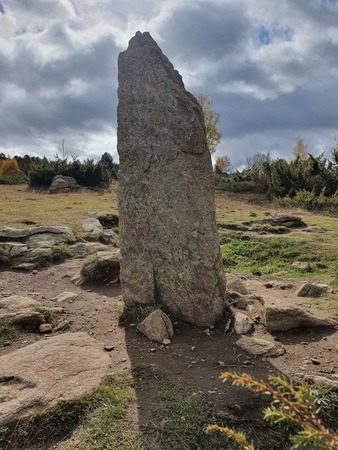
(169, 245)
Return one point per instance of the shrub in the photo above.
(86, 173)
(295, 406)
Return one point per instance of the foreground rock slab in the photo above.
(40, 375)
(168, 236)
(282, 316)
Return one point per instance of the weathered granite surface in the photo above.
(168, 237)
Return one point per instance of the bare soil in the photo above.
(195, 356)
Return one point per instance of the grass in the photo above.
(266, 255)
(180, 417)
(94, 269)
(135, 312)
(7, 333)
(20, 204)
(48, 315)
(57, 253)
(103, 415)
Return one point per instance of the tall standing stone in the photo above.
(169, 245)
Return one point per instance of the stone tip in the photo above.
(142, 39)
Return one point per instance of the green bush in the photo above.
(13, 179)
(86, 173)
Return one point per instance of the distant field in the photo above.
(21, 206)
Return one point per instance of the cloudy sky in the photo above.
(270, 68)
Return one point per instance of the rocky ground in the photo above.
(195, 356)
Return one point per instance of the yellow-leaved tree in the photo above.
(211, 120)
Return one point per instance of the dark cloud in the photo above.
(201, 31)
(271, 71)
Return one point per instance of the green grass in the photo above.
(135, 312)
(103, 415)
(181, 417)
(48, 315)
(57, 253)
(266, 255)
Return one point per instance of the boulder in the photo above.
(83, 249)
(156, 327)
(258, 347)
(281, 316)
(93, 228)
(312, 290)
(39, 375)
(63, 184)
(170, 251)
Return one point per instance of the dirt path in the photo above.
(195, 356)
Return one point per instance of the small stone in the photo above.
(301, 266)
(45, 328)
(63, 325)
(243, 323)
(166, 341)
(34, 271)
(315, 361)
(193, 348)
(109, 348)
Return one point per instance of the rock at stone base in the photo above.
(281, 316)
(156, 327)
(41, 374)
(312, 290)
(167, 227)
(235, 284)
(243, 324)
(258, 347)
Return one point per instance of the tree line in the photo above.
(39, 172)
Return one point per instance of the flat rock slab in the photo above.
(21, 233)
(19, 310)
(258, 347)
(282, 316)
(38, 376)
